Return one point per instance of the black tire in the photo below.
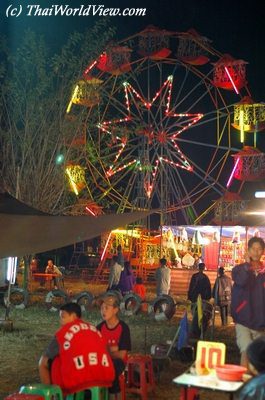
(162, 308)
(52, 297)
(130, 304)
(85, 300)
(19, 298)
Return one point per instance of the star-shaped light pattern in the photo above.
(161, 130)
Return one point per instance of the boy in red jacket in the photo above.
(77, 358)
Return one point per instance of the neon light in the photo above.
(232, 173)
(170, 79)
(241, 124)
(133, 97)
(260, 195)
(72, 99)
(127, 232)
(90, 211)
(72, 183)
(231, 80)
(11, 269)
(105, 248)
(146, 103)
(114, 121)
(90, 67)
(187, 166)
(112, 172)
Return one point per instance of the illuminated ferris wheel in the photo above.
(158, 109)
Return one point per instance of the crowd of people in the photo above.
(245, 295)
(81, 355)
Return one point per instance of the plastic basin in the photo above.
(230, 372)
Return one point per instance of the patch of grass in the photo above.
(35, 326)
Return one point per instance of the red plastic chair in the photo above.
(122, 382)
(141, 366)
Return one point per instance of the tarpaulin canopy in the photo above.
(26, 230)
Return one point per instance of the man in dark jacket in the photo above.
(199, 284)
(248, 297)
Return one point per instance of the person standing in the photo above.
(222, 294)
(163, 278)
(52, 269)
(120, 259)
(115, 274)
(248, 297)
(127, 279)
(199, 284)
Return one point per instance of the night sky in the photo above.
(235, 27)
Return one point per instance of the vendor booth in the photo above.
(216, 246)
(182, 246)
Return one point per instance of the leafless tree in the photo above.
(35, 90)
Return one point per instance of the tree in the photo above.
(34, 131)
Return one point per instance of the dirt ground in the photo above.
(34, 327)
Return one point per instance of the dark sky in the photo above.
(235, 27)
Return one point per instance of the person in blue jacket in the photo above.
(248, 297)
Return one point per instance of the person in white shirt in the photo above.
(115, 274)
(163, 277)
(52, 269)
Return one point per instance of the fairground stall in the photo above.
(182, 246)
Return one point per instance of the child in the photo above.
(117, 335)
(255, 387)
(139, 288)
(69, 360)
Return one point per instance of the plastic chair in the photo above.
(97, 393)
(142, 365)
(21, 396)
(76, 396)
(122, 383)
(48, 392)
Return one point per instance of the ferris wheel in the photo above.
(158, 109)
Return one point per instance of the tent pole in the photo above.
(26, 272)
(8, 301)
